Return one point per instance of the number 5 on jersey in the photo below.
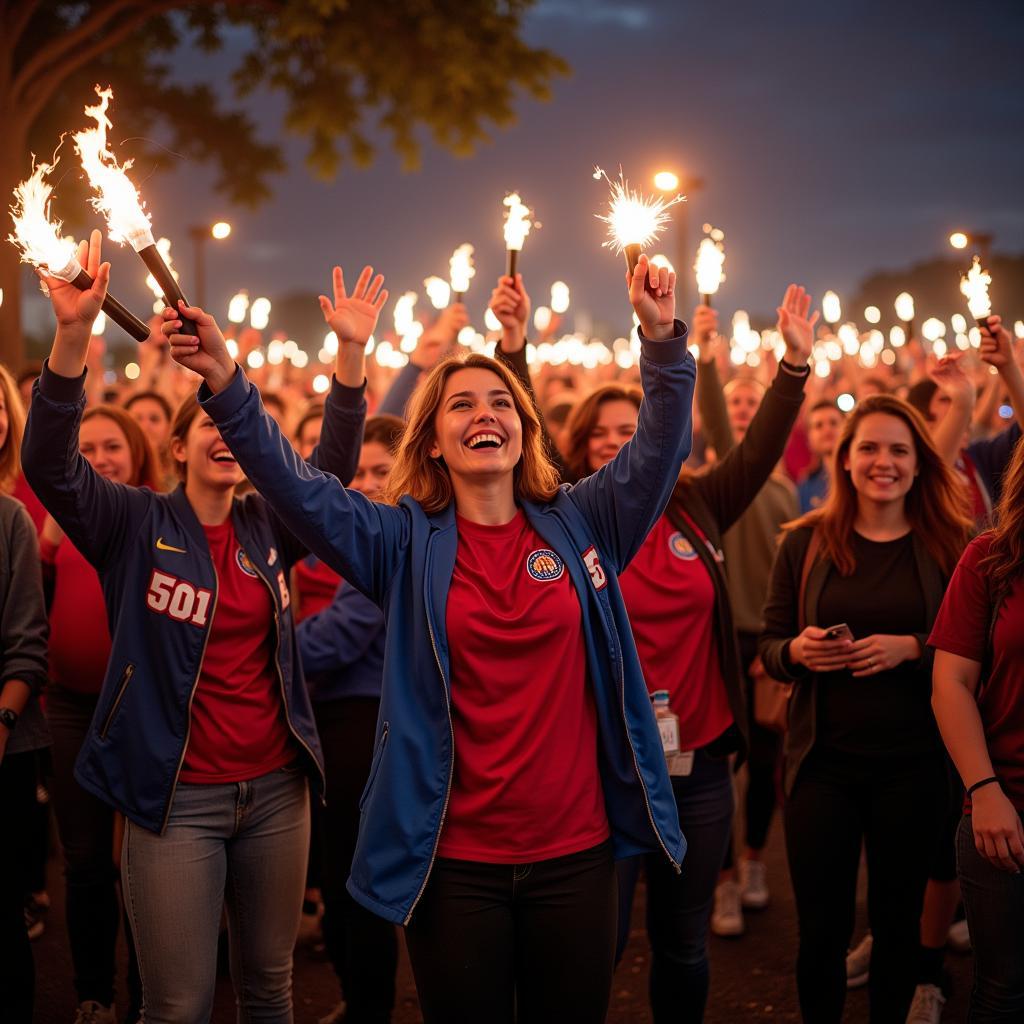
(179, 599)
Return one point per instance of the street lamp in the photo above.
(672, 183)
(199, 233)
(980, 241)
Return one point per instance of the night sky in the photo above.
(834, 139)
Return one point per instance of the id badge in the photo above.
(682, 763)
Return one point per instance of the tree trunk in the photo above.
(14, 166)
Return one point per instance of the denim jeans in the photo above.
(679, 905)
(994, 901)
(242, 845)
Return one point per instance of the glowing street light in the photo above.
(666, 181)
(220, 230)
(958, 240)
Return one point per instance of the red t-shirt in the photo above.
(238, 727)
(28, 498)
(670, 598)
(526, 785)
(79, 645)
(315, 587)
(962, 628)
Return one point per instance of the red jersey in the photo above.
(28, 498)
(526, 785)
(315, 587)
(962, 628)
(670, 598)
(238, 728)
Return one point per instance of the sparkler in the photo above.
(119, 202)
(38, 237)
(974, 285)
(517, 226)
(634, 220)
(709, 262)
(461, 270)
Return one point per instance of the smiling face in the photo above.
(823, 429)
(102, 442)
(207, 460)
(477, 430)
(742, 401)
(616, 424)
(150, 415)
(882, 459)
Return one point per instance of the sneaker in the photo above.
(858, 962)
(753, 884)
(727, 917)
(927, 1005)
(959, 937)
(336, 1016)
(91, 1012)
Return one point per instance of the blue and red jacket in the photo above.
(160, 588)
(403, 559)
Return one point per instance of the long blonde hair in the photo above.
(10, 453)
(426, 479)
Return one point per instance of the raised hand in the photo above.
(439, 337)
(704, 330)
(76, 310)
(207, 354)
(796, 328)
(996, 347)
(353, 317)
(652, 294)
(510, 303)
(949, 375)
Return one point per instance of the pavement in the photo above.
(751, 977)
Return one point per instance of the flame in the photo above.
(709, 262)
(238, 307)
(35, 233)
(904, 306)
(116, 197)
(439, 291)
(491, 322)
(259, 313)
(542, 318)
(974, 284)
(633, 218)
(559, 297)
(517, 221)
(831, 309)
(461, 268)
(406, 324)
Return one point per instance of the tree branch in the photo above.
(22, 16)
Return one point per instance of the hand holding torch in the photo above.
(974, 285)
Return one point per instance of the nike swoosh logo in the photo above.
(161, 546)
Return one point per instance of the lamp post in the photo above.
(670, 182)
(199, 233)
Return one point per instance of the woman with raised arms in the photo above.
(517, 753)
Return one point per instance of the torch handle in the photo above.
(705, 299)
(982, 322)
(632, 254)
(458, 296)
(172, 293)
(513, 258)
(121, 315)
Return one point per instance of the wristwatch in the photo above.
(9, 718)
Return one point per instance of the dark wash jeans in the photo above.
(527, 942)
(994, 901)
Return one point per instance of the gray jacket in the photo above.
(23, 625)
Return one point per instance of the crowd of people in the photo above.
(470, 647)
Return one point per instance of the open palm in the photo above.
(72, 306)
(353, 317)
(795, 326)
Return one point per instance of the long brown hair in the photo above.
(426, 479)
(1004, 563)
(145, 469)
(936, 504)
(583, 419)
(10, 453)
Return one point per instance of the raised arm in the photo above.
(710, 399)
(951, 380)
(997, 350)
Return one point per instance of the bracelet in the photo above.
(978, 785)
(796, 371)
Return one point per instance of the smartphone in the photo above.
(840, 632)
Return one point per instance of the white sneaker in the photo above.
(754, 893)
(959, 937)
(858, 963)
(727, 917)
(91, 1012)
(927, 1005)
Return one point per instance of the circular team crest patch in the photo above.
(244, 564)
(544, 565)
(681, 547)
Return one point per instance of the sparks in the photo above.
(36, 234)
(518, 221)
(116, 197)
(633, 218)
(461, 268)
(710, 260)
(974, 285)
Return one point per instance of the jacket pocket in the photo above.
(122, 687)
(378, 756)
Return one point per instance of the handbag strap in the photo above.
(810, 557)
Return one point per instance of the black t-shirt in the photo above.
(888, 713)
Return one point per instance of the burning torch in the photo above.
(634, 220)
(517, 227)
(904, 306)
(709, 263)
(42, 245)
(461, 270)
(974, 285)
(119, 202)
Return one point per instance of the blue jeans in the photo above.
(994, 901)
(243, 845)
(679, 906)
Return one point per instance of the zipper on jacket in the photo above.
(126, 678)
(191, 697)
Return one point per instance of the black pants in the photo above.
(532, 943)
(17, 968)
(895, 807)
(363, 947)
(86, 828)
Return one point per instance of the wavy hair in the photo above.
(583, 419)
(1004, 563)
(10, 453)
(936, 504)
(145, 468)
(427, 480)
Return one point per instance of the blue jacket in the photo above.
(342, 647)
(403, 560)
(152, 557)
